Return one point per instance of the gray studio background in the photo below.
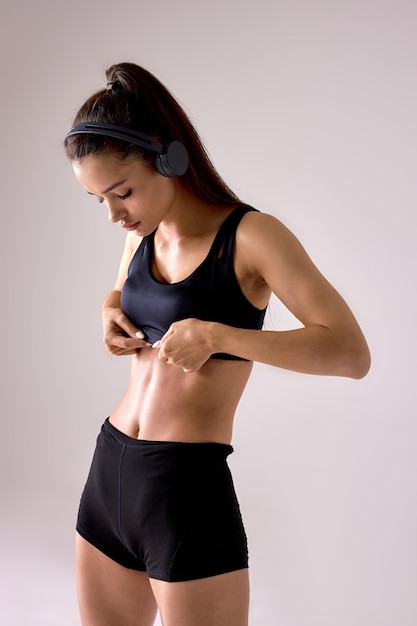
(308, 110)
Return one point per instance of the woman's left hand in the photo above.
(187, 343)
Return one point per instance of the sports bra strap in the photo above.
(224, 241)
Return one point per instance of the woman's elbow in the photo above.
(358, 359)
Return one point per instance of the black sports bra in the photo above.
(210, 293)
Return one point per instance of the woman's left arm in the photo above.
(330, 342)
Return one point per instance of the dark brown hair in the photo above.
(136, 99)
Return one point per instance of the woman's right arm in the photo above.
(119, 334)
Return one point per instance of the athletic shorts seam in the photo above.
(209, 573)
(119, 493)
(96, 544)
(171, 563)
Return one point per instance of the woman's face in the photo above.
(135, 194)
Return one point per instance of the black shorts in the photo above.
(163, 507)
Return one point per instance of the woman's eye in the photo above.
(126, 195)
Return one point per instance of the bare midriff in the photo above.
(164, 403)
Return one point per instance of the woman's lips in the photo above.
(130, 226)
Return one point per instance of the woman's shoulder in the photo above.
(260, 223)
(133, 242)
(264, 241)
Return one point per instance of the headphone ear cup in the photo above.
(173, 161)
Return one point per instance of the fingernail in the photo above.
(140, 335)
(156, 344)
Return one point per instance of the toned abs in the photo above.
(163, 403)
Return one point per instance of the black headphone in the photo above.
(170, 160)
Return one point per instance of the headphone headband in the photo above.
(170, 160)
(117, 132)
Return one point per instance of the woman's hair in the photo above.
(136, 99)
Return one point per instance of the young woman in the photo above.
(159, 525)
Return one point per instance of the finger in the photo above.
(139, 343)
(117, 341)
(131, 330)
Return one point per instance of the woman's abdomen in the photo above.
(163, 403)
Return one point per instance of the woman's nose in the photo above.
(116, 212)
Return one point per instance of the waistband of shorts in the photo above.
(222, 448)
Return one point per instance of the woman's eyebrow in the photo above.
(120, 182)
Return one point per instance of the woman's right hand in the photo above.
(120, 336)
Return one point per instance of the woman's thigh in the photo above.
(109, 594)
(216, 601)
